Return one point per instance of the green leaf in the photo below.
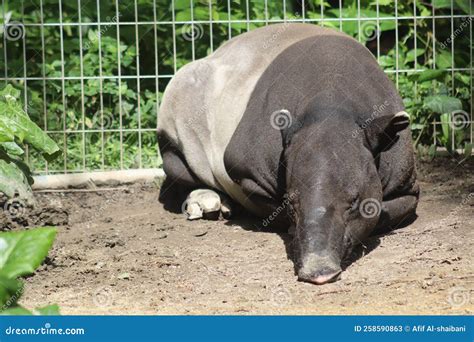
(6, 133)
(386, 61)
(412, 54)
(14, 119)
(416, 126)
(442, 3)
(10, 291)
(181, 4)
(10, 93)
(464, 5)
(457, 4)
(12, 149)
(382, 2)
(443, 60)
(442, 104)
(50, 310)
(427, 75)
(446, 129)
(21, 252)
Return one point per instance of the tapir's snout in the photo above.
(319, 269)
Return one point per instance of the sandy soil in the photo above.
(122, 253)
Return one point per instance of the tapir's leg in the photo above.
(401, 191)
(183, 191)
(396, 213)
(175, 165)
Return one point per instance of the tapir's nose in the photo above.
(319, 269)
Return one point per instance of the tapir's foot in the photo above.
(207, 204)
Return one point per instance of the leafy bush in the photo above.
(21, 253)
(16, 128)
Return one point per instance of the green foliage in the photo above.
(21, 253)
(16, 129)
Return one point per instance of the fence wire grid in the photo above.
(92, 72)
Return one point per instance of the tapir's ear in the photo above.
(384, 128)
(390, 124)
(400, 121)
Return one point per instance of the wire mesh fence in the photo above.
(92, 72)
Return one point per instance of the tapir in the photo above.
(298, 124)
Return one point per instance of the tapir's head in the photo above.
(333, 186)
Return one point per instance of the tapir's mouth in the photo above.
(321, 279)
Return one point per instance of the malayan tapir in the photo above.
(297, 124)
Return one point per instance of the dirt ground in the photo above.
(122, 253)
